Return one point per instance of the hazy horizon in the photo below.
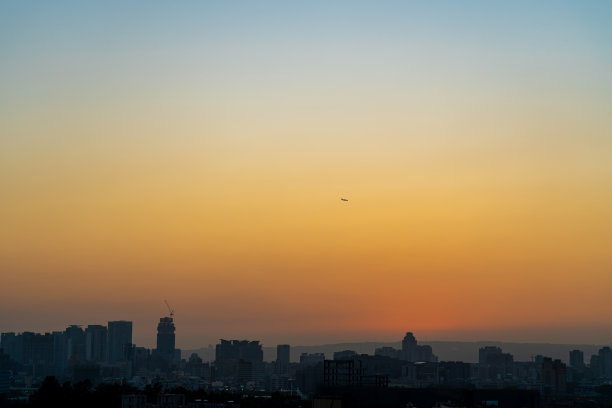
(145, 337)
(198, 152)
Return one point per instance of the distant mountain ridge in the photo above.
(466, 351)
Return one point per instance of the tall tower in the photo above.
(283, 352)
(75, 343)
(165, 338)
(95, 342)
(410, 348)
(119, 340)
(576, 359)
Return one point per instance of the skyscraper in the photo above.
(12, 345)
(283, 352)
(119, 340)
(229, 354)
(166, 338)
(576, 359)
(96, 337)
(412, 351)
(410, 348)
(60, 353)
(75, 343)
(605, 362)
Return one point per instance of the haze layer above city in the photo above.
(308, 173)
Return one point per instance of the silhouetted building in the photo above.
(12, 345)
(410, 348)
(345, 355)
(60, 353)
(576, 358)
(239, 349)
(165, 338)
(379, 365)
(342, 373)
(605, 362)
(196, 367)
(96, 337)
(412, 352)
(230, 353)
(119, 340)
(594, 366)
(427, 374)
(485, 352)
(388, 352)
(245, 371)
(37, 351)
(309, 375)
(75, 344)
(283, 354)
(283, 359)
(553, 375)
(310, 359)
(455, 373)
(493, 364)
(351, 373)
(140, 360)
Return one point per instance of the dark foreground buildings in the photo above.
(412, 374)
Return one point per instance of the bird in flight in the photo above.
(343, 199)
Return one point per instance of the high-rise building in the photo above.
(240, 350)
(119, 340)
(229, 354)
(13, 345)
(283, 359)
(576, 359)
(412, 352)
(96, 337)
(410, 348)
(346, 355)
(605, 362)
(595, 366)
(283, 354)
(60, 354)
(34, 350)
(388, 352)
(343, 372)
(165, 338)
(75, 343)
(554, 375)
(493, 363)
(312, 359)
(485, 353)
(37, 348)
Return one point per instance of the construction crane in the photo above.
(169, 309)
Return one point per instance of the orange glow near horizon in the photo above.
(207, 167)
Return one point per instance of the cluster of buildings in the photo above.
(93, 353)
(106, 354)
(412, 367)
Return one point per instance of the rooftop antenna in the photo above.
(169, 309)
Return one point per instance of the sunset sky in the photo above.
(197, 152)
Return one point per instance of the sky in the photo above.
(198, 151)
